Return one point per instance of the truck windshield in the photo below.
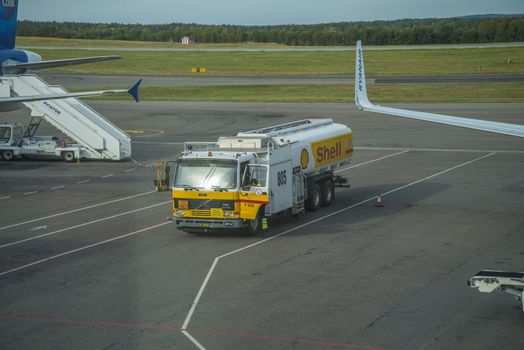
(206, 173)
(5, 134)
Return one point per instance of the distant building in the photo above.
(187, 40)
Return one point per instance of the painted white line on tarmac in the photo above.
(134, 161)
(129, 170)
(82, 182)
(5, 197)
(193, 340)
(79, 209)
(81, 225)
(372, 161)
(216, 260)
(108, 175)
(82, 248)
(29, 193)
(159, 142)
(371, 148)
(57, 187)
(439, 150)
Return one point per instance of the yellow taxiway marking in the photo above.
(139, 133)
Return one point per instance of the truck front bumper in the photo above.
(209, 224)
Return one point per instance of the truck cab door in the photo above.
(281, 186)
(254, 189)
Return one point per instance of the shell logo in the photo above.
(304, 158)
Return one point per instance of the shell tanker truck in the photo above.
(239, 181)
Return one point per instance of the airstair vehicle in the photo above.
(91, 136)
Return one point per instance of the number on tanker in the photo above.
(281, 178)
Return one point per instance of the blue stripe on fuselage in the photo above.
(14, 55)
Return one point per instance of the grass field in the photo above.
(380, 93)
(435, 62)
(422, 62)
(39, 41)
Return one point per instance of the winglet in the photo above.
(363, 103)
(361, 95)
(134, 90)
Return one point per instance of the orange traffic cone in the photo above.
(378, 203)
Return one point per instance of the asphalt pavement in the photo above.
(88, 259)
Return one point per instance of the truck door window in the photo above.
(244, 175)
(5, 134)
(17, 132)
(254, 176)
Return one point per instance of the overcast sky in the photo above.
(255, 12)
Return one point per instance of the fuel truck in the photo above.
(239, 181)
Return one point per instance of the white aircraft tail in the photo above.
(363, 103)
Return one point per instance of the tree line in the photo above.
(399, 32)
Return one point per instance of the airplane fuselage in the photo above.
(8, 57)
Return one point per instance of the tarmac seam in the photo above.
(125, 172)
(217, 259)
(82, 224)
(77, 210)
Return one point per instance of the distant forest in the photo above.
(462, 30)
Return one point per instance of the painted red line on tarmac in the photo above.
(284, 339)
(111, 324)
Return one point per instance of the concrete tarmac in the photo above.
(89, 261)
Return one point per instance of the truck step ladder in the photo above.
(32, 127)
(512, 283)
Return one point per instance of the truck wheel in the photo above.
(255, 226)
(314, 199)
(8, 155)
(68, 156)
(327, 193)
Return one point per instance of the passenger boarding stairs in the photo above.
(98, 137)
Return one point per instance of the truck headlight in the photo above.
(180, 213)
(231, 214)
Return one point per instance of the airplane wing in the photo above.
(133, 91)
(15, 68)
(363, 103)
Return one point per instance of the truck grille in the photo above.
(201, 212)
(203, 204)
